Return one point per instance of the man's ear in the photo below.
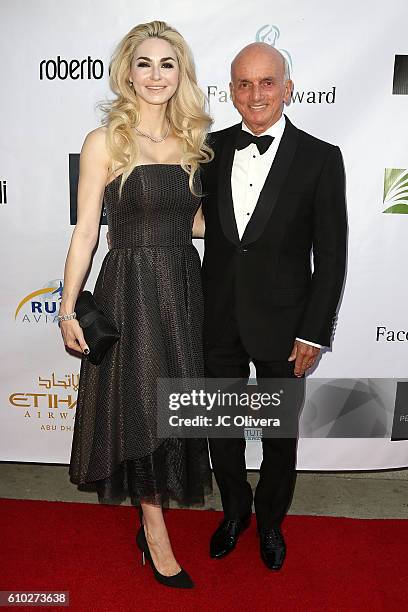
(231, 88)
(288, 91)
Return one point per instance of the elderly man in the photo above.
(275, 194)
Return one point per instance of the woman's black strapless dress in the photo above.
(149, 285)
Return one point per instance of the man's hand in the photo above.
(305, 356)
(108, 240)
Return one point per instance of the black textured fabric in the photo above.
(99, 333)
(149, 285)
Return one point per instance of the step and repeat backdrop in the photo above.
(349, 64)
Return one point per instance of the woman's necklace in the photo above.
(151, 137)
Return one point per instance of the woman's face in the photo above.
(154, 71)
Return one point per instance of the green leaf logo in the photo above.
(396, 191)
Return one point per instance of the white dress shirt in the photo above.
(249, 172)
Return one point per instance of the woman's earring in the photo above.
(131, 83)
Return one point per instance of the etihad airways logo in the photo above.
(396, 190)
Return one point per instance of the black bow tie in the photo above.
(244, 139)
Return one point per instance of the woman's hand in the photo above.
(73, 336)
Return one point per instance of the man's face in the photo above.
(258, 88)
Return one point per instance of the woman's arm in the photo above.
(199, 224)
(94, 167)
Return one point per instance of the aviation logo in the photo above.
(40, 305)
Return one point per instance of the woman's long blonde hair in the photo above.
(185, 110)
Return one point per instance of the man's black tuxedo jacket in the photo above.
(266, 278)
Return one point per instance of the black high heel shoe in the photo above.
(181, 580)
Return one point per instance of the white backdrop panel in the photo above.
(346, 51)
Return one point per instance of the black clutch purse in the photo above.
(99, 333)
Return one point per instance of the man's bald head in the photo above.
(254, 51)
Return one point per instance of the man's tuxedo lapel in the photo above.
(273, 184)
(225, 204)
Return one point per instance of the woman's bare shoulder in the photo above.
(95, 143)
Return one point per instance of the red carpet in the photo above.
(89, 550)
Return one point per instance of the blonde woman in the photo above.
(145, 164)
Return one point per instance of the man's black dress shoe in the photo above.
(272, 546)
(224, 538)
